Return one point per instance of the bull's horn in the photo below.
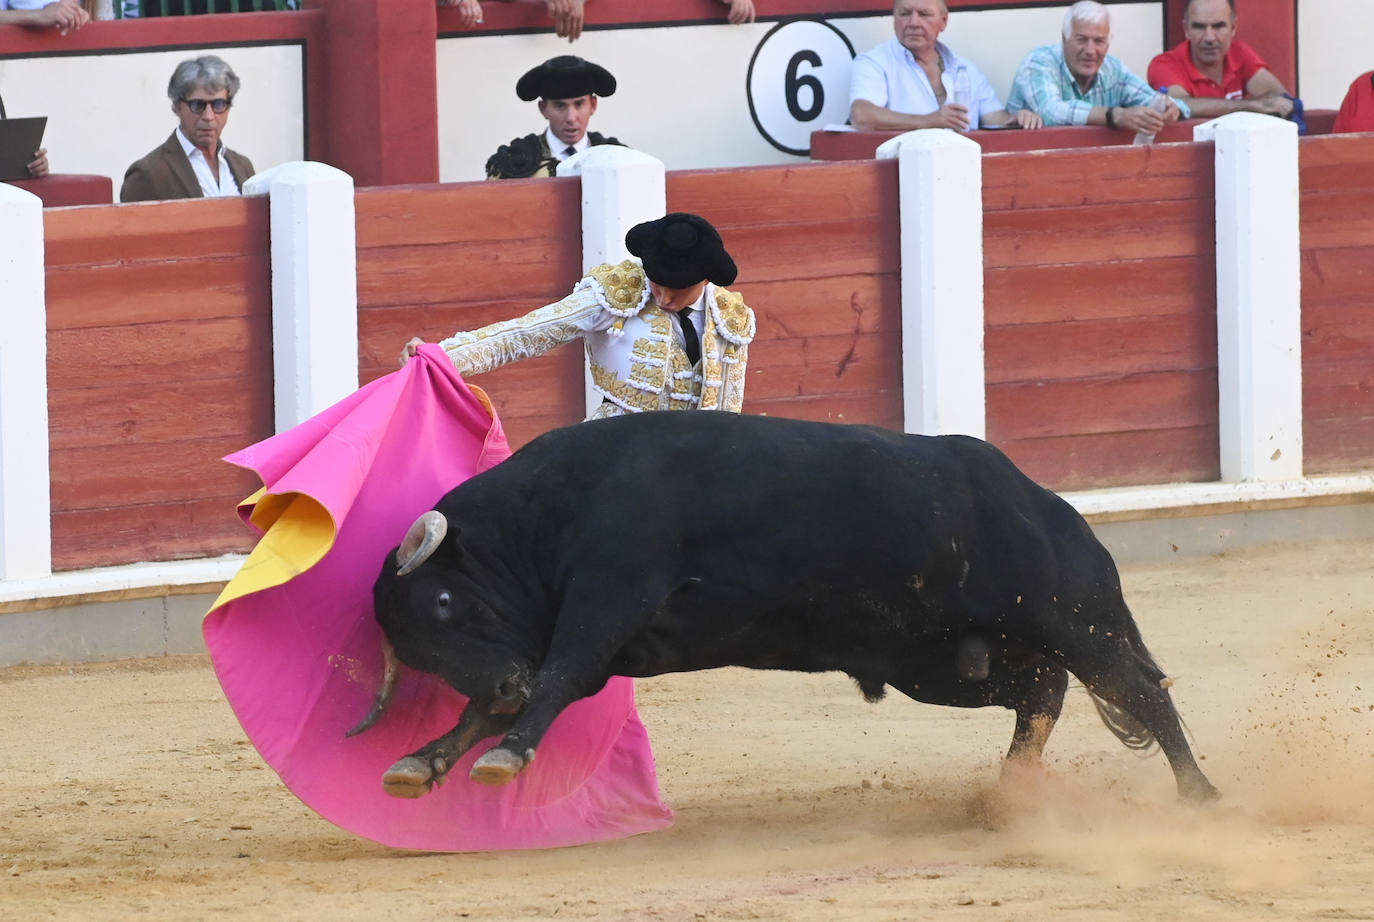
(421, 541)
(389, 676)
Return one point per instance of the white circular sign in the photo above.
(799, 82)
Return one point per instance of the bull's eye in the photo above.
(442, 602)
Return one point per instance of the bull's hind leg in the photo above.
(1110, 658)
(969, 673)
(1034, 688)
(1140, 689)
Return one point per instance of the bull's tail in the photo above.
(1124, 726)
(1131, 732)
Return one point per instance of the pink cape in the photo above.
(298, 651)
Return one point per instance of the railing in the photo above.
(129, 9)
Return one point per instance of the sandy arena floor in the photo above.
(129, 792)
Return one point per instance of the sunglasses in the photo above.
(197, 106)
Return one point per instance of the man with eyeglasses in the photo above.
(193, 162)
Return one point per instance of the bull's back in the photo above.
(801, 501)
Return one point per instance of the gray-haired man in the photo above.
(193, 162)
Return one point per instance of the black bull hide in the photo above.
(668, 542)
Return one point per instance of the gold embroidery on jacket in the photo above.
(535, 333)
(637, 345)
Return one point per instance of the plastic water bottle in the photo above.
(963, 95)
(1161, 105)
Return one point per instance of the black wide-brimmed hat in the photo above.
(679, 250)
(565, 77)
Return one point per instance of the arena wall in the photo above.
(1099, 345)
(1100, 304)
(433, 260)
(1337, 232)
(159, 363)
(1100, 340)
(818, 255)
(412, 96)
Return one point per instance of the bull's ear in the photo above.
(452, 548)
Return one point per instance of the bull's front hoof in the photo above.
(411, 777)
(496, 766)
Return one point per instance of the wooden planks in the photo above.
(433, 260)
(1100, 339)
(1097, 176)
(816, 246)
(1337, 233)
(1115, 459)
(817, 250)
(1100, 330)
(159, 363)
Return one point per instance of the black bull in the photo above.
(669, 542)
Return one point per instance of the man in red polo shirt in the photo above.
(1357, 110)
(1214, 71)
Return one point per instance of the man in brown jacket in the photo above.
(193, 162)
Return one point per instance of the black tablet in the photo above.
(19, 138)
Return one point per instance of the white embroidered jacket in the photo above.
(636, 363)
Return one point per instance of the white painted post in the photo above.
(1259, 304)
(314, 287)
(940, 177)
(621, 187)
(25, 483)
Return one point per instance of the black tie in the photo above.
(570, 151)
(689, 335)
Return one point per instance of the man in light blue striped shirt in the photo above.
(1078, 83)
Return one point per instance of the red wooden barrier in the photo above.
(433, 260)
(1100, 320)
(58, 190)
(817, 248)
(159, 363)
(861, 145)
(1100, 314)
(1337, 234)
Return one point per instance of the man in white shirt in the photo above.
(567, 88)
(915, 81)
(193, 162)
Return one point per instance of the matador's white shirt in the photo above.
(637, 362)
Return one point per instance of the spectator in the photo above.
(469, 11)
(567, 88)
(193, 162)
(66, 16)
(1357, 109)
(1078, 83)
(659, 333)
(913, 80)
(1214, 71)
(38, 166)
(568, 15)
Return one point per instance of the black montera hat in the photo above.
(565, 77)
(679, 250)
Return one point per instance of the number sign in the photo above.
(798, 82)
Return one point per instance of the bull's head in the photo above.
(435, 621)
